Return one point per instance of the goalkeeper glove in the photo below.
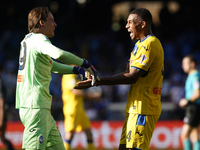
(90, 68)
(80, 71)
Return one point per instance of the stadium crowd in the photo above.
(86, 31)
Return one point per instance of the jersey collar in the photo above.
(146, 37)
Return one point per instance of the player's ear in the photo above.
(41, 22)
(193, 64)
(143, 24)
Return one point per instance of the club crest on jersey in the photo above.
(135, 50)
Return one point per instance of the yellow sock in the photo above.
(67, 146)
(91, 146)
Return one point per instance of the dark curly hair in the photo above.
(144, 14)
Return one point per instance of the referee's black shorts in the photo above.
(192, 114)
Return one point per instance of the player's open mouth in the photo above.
(131, 33)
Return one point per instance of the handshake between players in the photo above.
(87, 71)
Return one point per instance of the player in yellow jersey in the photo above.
(144, 73)
(75, 118)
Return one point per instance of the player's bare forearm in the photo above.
(116, 79)
(121, 78)
(1, 111)
(103, 81)
(127, 77)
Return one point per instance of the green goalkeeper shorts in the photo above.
(40, 129)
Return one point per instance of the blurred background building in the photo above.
(95, 30)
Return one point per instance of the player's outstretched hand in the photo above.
(80, 71)
(90, 68)
(84, 84)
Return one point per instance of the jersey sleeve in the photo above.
(196, 82)
(44, 46)
(61, 68)
(61, 55)
(143, 58)
(39, 41)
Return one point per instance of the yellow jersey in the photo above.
(144, 96)
(71, 103)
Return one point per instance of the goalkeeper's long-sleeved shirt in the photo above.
(35, 67)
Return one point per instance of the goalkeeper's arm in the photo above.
(66, 69)
(61, 55)
(69, 58)
(61, 68)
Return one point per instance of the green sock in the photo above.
(196, 145)
(187, 145)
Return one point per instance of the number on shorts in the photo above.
(129, 136)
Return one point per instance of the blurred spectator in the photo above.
(3, 115)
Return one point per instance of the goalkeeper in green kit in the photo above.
(34, 75)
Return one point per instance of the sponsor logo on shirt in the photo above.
(157, 90)
(20, 78)
(50, 62)
(135, 50)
